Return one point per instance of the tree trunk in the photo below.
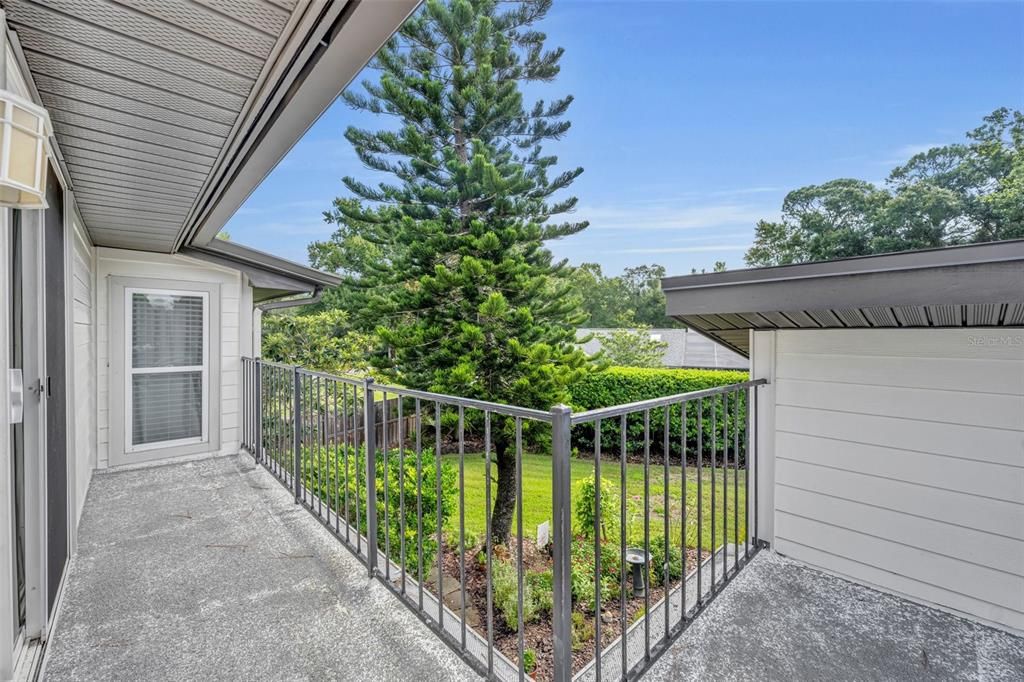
(505, 499)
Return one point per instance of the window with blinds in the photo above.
(168, 367)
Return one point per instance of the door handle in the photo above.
(17, 389)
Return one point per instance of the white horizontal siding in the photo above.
(83, 407)
(122, 263)
(899, 461)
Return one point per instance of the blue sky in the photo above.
(693, 119)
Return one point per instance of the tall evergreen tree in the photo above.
(449, 253)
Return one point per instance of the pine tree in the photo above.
(449, 254)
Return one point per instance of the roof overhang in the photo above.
(269, 276)
(979, 285)
(167, 115)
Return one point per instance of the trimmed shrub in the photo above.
(619, 385)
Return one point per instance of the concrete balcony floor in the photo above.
(208, 571)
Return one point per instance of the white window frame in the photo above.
(131, 372)
(118, 319)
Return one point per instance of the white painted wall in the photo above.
(81, 320)
(233, 341)
(898, 461)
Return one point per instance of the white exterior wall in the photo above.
(896, 459)
(81, 320)
(235, 338)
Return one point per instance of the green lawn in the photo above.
(537, 497)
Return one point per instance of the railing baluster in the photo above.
(682, 522)
(297, 445)
(345, 450)
(462, 521)
(700, 498)
(647, 533)
(746, 477)
(387, 487)
(597, 548)
(736, 480)
(401, 491)
(667, 579)
(519, 544)
(725, 486)
(370, 438)
(437, 503)
(490, 549)
(714, 456)
(419, 501)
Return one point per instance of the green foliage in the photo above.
(445, 261)
(582, 567)
(658, 560)
(586, 506)
(632, 348)
(505, 583)
(326, 476)
(954, 194)
(323, 341)
(618, 385)
(631, 299)
(529, 660)
(582, 631)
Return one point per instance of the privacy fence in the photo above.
(626, 521)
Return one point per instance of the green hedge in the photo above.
(619, 385)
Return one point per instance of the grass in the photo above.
(536, 471)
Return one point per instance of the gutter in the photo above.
(292, 302)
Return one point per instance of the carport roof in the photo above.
(979, 285)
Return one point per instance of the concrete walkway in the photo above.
(781, 621)
(209, 571)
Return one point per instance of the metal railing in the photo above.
(408, 481)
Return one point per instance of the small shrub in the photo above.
(529, 660)
(586, 506)
(542, 589)
(658, 561)
(582, 570)
(505, 582)
(582, 631)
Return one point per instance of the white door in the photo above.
(899, 461)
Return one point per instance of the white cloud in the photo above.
(706, 248)
(675, 215)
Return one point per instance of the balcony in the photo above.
(280, 567)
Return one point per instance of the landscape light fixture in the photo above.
(638, 559)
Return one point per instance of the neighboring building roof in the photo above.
(168, 114)
(685, 349)
(270, 276)
(980, 285)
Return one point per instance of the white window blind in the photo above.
(168, 367)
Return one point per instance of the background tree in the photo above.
(322, 341)
(632, 348)
(955, 194)
(631, 299)
(447, 255)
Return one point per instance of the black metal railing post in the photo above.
(370, 439)
(257, 451)
(297, 435)
(561, 541)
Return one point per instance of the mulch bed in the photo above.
(538, 635)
